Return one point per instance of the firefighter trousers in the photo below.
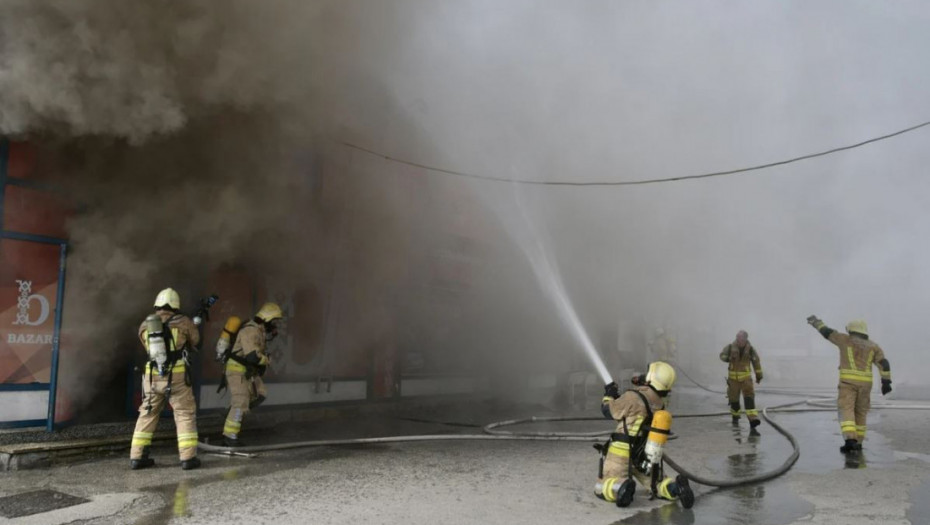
(616, 470)
(853, 402)
(153, 402)
(244, 394)
(734, 389)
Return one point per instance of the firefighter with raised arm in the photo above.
(167, 336)
(635, 449)
(245, 367)
(857, 356)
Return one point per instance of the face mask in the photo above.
(271, 331)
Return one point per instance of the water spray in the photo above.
(547, 275)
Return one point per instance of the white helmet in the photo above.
(168, 297)
(269, 312)
(661, 376)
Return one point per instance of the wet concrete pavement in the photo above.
(504, 482)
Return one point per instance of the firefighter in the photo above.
(857, 355)
(626, 455)
(168, 336)
(740, 354)
(245, 368)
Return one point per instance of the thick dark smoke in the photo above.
(182, 132)
(141, 70)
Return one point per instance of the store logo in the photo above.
(24, 303)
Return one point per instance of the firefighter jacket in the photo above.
(740, 359)
(857, 355)
(248, 354)
(629, 408)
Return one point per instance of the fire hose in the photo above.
(493, 432)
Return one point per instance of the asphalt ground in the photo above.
(457, 482)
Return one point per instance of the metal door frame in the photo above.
(52, 385)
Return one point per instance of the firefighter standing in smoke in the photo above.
(740, 355)
(245, 366)
(167, 336)
(629, 452)
(857, 355)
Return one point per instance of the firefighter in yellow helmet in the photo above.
(857, 355)
(740, 355)
(167, 336)
(245, 368)
(628, 453)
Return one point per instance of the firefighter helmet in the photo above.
(269, 312)
(858, 326)
(661, 376)
(168, 297)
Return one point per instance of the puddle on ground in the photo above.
(818, 433)
(771, 503)
(176, 496)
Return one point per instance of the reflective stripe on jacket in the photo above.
(740, 361)
(857, 355)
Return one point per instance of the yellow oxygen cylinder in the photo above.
(230, 329)
(658, 436)
(232, 325)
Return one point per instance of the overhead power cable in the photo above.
(643, 181)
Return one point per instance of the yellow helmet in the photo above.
(661, 376)
(169, 297)
(858, 326)
(269, 312)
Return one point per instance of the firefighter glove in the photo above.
(814, 321)
(612, 390)
(886, 386)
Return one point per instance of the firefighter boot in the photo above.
(232, 441)
(681, 489)
(850, 447)
(144, 462)
(190, 464)
(625, 493)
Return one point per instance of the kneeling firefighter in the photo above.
(168, 336)
(630, 452)
(245, 366)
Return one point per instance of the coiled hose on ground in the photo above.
(493, 432)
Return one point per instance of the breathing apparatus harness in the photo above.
(224, 351)
(163, 354)
(163, 351)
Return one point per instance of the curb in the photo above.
(31, 455)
